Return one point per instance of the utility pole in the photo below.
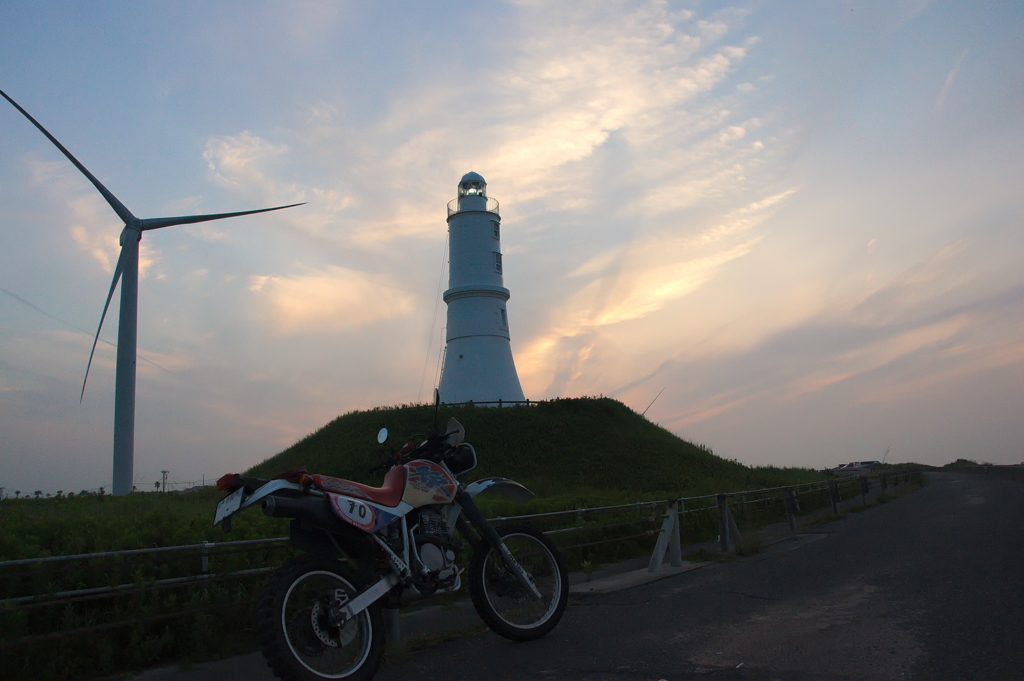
(164, 474)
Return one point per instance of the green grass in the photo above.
(961, 462)
(573, 453)
(584, 448)
(31, 528)
(88, 524)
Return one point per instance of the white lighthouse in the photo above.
(478, 364)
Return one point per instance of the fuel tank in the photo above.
(428, 483)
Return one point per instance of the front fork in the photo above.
(490, 537)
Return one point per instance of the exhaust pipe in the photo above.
(316, 510)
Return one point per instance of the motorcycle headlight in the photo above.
(462, 460)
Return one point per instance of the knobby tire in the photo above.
(274, 640)
(502, 602)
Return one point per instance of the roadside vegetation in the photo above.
(588, 446)
(573, 453)
(959, 463)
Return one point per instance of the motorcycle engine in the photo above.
(436, 546)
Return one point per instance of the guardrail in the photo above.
(491, 206)
(34, 584)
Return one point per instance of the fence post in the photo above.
(668, 540)
(864, 487)
(675, 548)
(882, 477)
(734, 531)
(723, 523)
(206, 556)
(789, 499)
(833, 493)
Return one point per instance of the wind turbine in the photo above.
(127, 270)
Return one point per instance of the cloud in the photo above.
(907, 10)
(579, 76)
(330, 301)
(237, 161)
(915, 291)
(635, 280)
(923, 340)
(91, 222)
(950, 77)
(585, 74)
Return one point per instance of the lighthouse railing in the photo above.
(492, 207)
(500, 403)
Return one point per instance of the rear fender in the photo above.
(281, 488)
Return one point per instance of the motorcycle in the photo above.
(320, 615)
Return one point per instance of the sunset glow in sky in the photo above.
(802, 220)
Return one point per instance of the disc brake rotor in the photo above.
(327, 634)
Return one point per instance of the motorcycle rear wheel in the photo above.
(501, 600)
(297, 638)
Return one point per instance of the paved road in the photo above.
(927, 587)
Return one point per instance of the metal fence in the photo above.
(498, 403)
(36, 583)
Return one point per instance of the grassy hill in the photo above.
(572, 453)
(595, 447)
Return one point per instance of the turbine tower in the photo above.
(127, 270)
(478, 363)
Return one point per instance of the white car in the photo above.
(855, 467)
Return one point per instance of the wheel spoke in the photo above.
(327, 650)
(503, 595)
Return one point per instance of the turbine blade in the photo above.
(132, 243)
(118, 207)
(157, 223)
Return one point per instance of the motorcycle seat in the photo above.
(390, 494)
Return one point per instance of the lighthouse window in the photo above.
(504, 319)
(497, 262)
(497, 231)
(473, 188)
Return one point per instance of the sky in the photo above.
(801, 221)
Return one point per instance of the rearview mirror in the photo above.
(382, 436)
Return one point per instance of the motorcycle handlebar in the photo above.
(432, 442)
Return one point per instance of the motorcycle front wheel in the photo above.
(295, 627)
(499, 597)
